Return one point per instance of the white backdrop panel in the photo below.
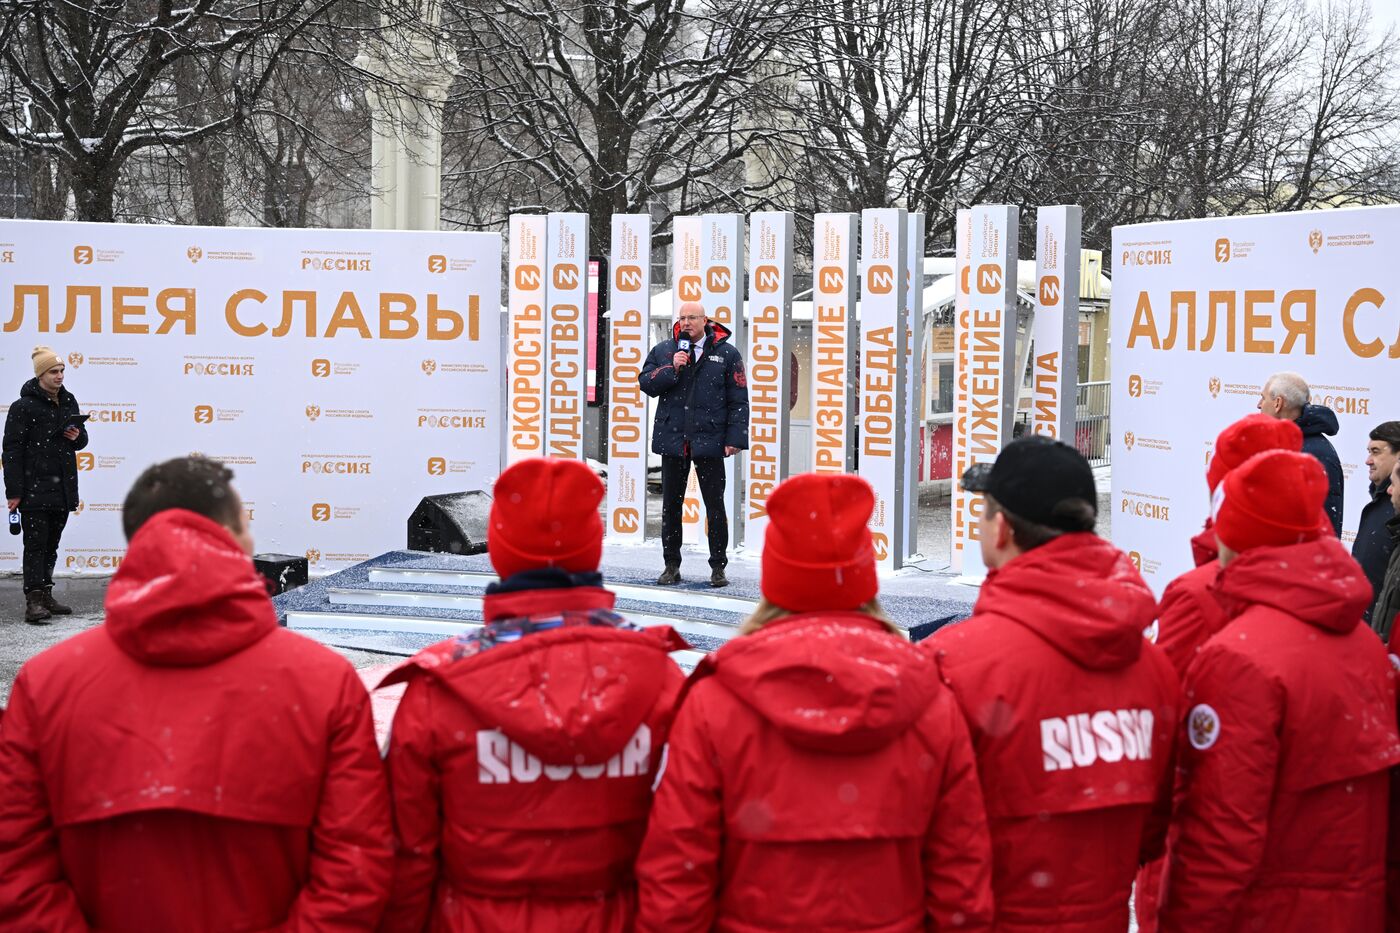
(1204, 311)
(335, 424)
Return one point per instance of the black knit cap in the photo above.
(1033, 475)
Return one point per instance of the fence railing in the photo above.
(1091, 422)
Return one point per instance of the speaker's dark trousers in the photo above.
(42, 530)
(675, 473)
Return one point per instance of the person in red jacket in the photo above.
(1189, 612)
(1072, 711)
(522, 755)
(819, 776)
(189, 765)
(1281, 798)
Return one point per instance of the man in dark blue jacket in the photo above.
(1286, 396)
(1374, 542)
(702, 417)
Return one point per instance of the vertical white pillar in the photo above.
(883, 250)
(722, 294)
(526, 404)
(629, 302)
(1055, 333)
(832, 367)
(566, 298)
(913, 383)
(769, 368)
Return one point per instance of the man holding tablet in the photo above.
(43, 433)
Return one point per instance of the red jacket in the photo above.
(1282, 791)
(189, 765)
(521, 770)
(1187, 617)
(818, 778)
(1190, 613)
(1073, 716)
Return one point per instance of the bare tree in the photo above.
(90, 83)
(606, 107)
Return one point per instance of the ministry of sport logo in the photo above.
(1129, 439)
(194, 254)
(429, 367)
(75, 360)
(1315, 240)
(1214, 386)
(313, 556)
(313, 412)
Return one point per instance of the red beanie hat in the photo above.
(544, 513)
(817, 552)
(1249, 436)
(1273, 499)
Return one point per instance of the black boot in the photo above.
(670, 576)
(35, 612)
(717, 577)
(54, 606)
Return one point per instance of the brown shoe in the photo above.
(54, 606)
(35, 613)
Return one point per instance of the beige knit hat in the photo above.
(44, 360)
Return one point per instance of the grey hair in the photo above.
(1290, 387)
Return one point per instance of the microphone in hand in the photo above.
(682, 351)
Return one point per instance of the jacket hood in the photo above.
(186, 594)
(1317, 419)
(714, 330)
(31, 389)
(1204, 547)
(570, 695)
(1079, 593)
(1316, 581)
(835, 682)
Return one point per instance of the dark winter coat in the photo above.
(1373, 544)
(1387, 604)
(41, 469)
(703, 407)
(1316, 422)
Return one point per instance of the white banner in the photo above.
(722, 254)
(1055, 333)
(687, 284)
(525, 354)
(1204, 311)
(566, 298)
(341, 374)
(629, 303)
(913, 381)
(964, 555)
(991, 354)
(883, 258)
(833, 342)
(769, 370)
